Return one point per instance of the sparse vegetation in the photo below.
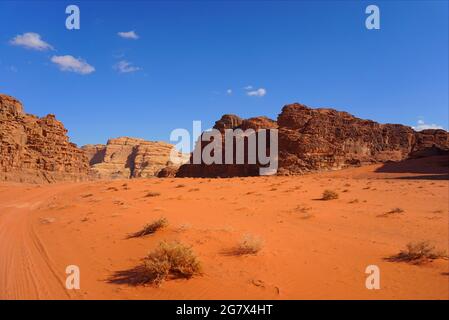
(86, 195)
(170, 259)
(151, 228)
(418, 253)
(329, 195)
(249, 245)
(391, 212)
(302, 209)
(396, 210)
(152, 194)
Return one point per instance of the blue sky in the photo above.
(187, 56)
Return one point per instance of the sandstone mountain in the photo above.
(228, 121)
(322, 139)
(126, 157)
(36, 150)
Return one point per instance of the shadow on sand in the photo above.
(428, 168)
(134, 277)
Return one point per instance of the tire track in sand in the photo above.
(26, 270)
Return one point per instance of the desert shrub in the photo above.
(86, 195)
(170, 259)
(391, 212)
(151, 227)
(249, 245)
(152, 194)
(396, 210)
(418, 252)
(329, 195)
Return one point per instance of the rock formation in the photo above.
(229, 170)
(326, 139)
(36, 150)
(130, 158)
(430, 142)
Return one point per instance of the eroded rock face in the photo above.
(36, 150)
(430, 142)
(229, 170)
(325, 139)
(126, 157)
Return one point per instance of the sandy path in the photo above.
(312, 249)
(26, 271)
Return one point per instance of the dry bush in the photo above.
(329, 195)
(302, 209)
(396, 210)
(170, 259)
(418, 253)
(151, 228)
(152, 194)
(248, 245)
(86, 195)
(391, 212)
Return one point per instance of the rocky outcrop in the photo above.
(126, 157)
(230, 170)
(168, 172)
(36, 150)
(325, 139)
(430, 142)
(94, 152)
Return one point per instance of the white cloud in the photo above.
(248, 87)
(124, 66)
(423, 126)
(72, 64)
(128, 35)
(229, 91)
(30, 40)
(257, 93)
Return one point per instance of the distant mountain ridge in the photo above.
(312, 140)
(38, 150)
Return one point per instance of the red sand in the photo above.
(312, 249)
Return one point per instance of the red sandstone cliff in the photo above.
(34, 149)
(126, 157)
(229, 121)
(326, 139)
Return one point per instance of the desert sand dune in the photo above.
(312, 249)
